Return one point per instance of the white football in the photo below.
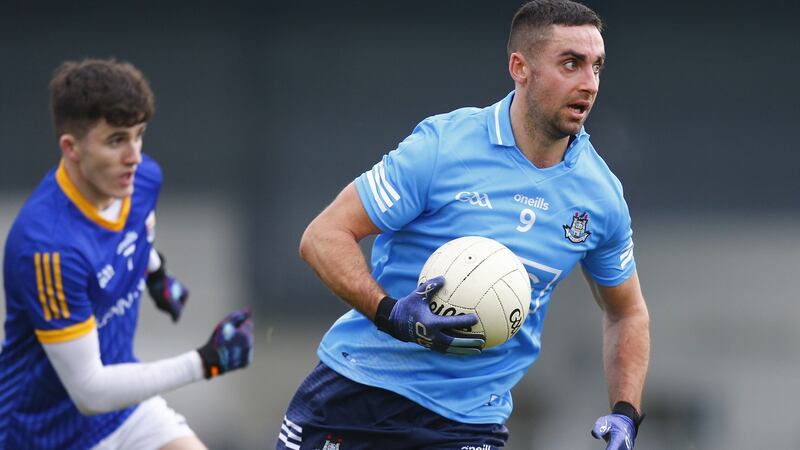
(484, 277)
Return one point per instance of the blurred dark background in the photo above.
(267, 109)
(278, 105)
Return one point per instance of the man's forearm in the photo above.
(337, 259)
(626, 355)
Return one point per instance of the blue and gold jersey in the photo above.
(67, 270)
(461, 174)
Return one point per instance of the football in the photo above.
(484, 277)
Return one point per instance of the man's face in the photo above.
(565, 77)
(108, 158)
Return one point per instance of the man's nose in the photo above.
(590, 81)
(133, 155)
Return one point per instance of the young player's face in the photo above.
(108, 157)
(565, 79)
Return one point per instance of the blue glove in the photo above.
(619, 428)
(230, 346)
(411, 320)
(167, 292)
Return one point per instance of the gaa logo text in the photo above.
(475, 199)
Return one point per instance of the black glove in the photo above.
(230, 346)
(167, 292)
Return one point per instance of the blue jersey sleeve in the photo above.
(612, 261)
(53, 286)
(395, 190)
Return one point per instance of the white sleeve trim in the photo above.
(389, 187)
(96, 388)
(382, 190)
(626, 256)
(154, 261)
(374, 189)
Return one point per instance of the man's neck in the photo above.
(95, 198)
(541, 150)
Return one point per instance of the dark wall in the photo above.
(281, 104)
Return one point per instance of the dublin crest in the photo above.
(332, 443)
(576, 232)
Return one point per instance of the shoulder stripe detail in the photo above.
(382, 189)
(62, 301)
(375, 195)
(37, 259)
(80, 202)
(48, 284)
(384, 193)
(67, 334)
(386, 183)
(626, 256)
(497, 123)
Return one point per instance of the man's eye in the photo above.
(597, 68)
(571, 64)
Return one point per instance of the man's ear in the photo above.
(70, 148)
(519, 67)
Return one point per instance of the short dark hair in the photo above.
(534, 17)
(84, 92)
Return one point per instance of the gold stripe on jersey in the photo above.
(67, 334)
(48, 284)
(37, 259)
(86, 207)
(62, 301)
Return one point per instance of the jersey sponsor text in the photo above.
(537, 202)
(122, 305)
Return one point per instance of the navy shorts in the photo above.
(332, 412)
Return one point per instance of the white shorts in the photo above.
(152, 426)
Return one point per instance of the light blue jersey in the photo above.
(461, 174)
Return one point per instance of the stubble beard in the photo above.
(551, 128)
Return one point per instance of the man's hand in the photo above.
(411, 320)
(230, 346)
(619, 428)
(167, 292)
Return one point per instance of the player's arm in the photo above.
(626, 339)
(96, 388)
(330, 246)
(54, 288)
(626, 349)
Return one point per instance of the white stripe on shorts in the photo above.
(288, 436)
